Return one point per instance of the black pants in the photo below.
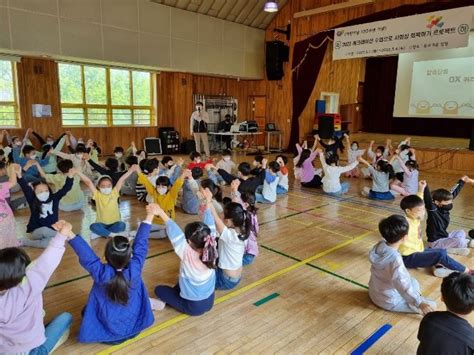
(316, 182)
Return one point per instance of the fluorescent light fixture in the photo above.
(270, 6)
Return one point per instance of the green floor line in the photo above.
(316, 267)
(87, 275)
(266, 299)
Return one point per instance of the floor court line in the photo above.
(232, 294)
(317, 267)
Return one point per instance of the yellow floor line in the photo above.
(231, 295)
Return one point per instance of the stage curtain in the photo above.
(307, 61)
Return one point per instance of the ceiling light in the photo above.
(270, 6)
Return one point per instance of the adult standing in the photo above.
(199, 121)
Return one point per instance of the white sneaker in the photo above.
(94, 236)
(442, 272)
(471, 243)
(458, 251)
(157, 304)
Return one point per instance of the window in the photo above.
(97, 96)
(9, 112)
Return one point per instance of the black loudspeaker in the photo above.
(276, 53)
(471, 142)
(325, 126)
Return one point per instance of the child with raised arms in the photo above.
(22, 283)
(118, 307)
(196, 248)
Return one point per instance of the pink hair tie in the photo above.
(210, 242)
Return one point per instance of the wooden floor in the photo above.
(313, 255)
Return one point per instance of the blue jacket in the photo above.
(104, 320)
(49, 209)
(33, 171)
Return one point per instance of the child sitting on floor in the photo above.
(282, 187)
(381, 152)
(108, 220)
(196, 161)
(74, 199)
(438, 204)
(257, 165)
(412, 249)
(118, 307)
(247, 201)
(248, 183)
(449, 332)
(165, 195)
(390, 286)
(44, 208)
(196, 248)
(332, 174)
(352, 154)
(268, 192)
(304, 169)
(409, 185)
(171, 169)
(234, 231)
(225, 164)
(22, 283)
(381, 176)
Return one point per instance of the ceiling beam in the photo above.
(334, 7)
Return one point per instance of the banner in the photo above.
(430, 31)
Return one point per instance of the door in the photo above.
(258, 110)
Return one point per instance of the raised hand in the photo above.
(154, 209)
(234, 185)
(422, 185)
(64, 228)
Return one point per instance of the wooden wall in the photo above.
(38, 83)
(336, 76)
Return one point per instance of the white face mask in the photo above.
(50, 142)
(162, 190)
(43, 196)
(118, 155)
(80, 141)
(106, 190)
(354, 147)
(18, 144)
(170, 165)
(254, 163)
(226, 158)
(79, 156)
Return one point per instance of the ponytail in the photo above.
(216, 190)
(117, 288)
(118, 252)
(199, 237)
(386, 168)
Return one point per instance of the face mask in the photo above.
(43, 196)
(254, 163)
(106, 190)
(162, 190)
(18, 144)
(448, 207)
(354, 147)
(170, 165)
(226, 158)
(80, 141)
(50, 142)
(378, 155)
(118, 155)
(79, 156)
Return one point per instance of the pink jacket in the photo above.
(21, 307)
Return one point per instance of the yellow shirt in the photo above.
(75, 195)
(107, 207)
(167, 201)
(414, 241)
